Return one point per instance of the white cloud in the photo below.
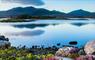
(25, 2)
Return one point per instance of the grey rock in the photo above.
(90, 48)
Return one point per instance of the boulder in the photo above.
(3, 38)
(4, 42)
(90, 48)
(66, 51)
(86, 57)
(81, 52)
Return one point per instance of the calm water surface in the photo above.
(49, 32)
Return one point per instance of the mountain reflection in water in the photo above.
(31, 25)
(49, 34)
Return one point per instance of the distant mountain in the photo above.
(79, 13)
(18, 11)
(32, 11)
(93, 15)
(29, 11)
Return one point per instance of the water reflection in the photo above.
(31, 25)
(12, 31)
(79, 24)
(27, 33)
(50, 34)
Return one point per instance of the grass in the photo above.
(13, 53)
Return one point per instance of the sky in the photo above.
(60, 5)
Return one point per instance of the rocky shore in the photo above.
(49, 53)
(73, 53)
(4, 42)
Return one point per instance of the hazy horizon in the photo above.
(62, 5)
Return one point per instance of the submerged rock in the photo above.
(73, 43)
(90, 48)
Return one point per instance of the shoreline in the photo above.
(29, 20)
